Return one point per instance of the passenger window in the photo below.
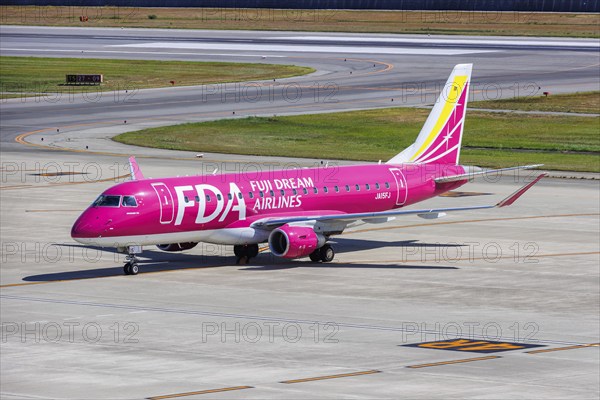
(240, 195)
(208, 197)
(377, 186)
(367, 186)
(271, 193)
(294, 191)
(129, 201)
(315, 190)
(229, 196)
(305, 190)
(347, 188)
(219, 197)
(185, 198)
(326, 189)
(358, 188)
(261, 194)
(251, 195)
(282, 192)
(337, 189)
(387, 185)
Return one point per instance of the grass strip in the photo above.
(585, 102)
(490, 140)
(485, 23)
(37, 75)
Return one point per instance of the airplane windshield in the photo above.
(129, 201)
(107, 201)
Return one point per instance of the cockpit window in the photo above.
(107, 201)
(129, 201)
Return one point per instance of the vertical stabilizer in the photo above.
(134, 169)
(440, 138)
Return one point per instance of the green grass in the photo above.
(407, 22)
(490, 139)
(587, 102)
(32, 75)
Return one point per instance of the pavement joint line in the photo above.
(472, 221)
(199, 392)
(333, 265)
(253, 317)
(110, 276)
(532, 257)
(320, 378)
(51, 185)
(464, 360)
(42, 211)
(579, 346)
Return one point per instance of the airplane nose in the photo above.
(80, 230)
(84, 228)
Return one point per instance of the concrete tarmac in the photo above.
(513, 294)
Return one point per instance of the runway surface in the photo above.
(195, 325)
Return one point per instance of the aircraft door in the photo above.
(402, 190)
(165, 199)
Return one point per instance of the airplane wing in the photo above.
(272, 223)
(472, 174)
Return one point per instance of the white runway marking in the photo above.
(458, 41)
(302, 48)
(142, 52)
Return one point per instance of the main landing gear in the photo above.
(131, 266)
(324, 254)
(244, 252)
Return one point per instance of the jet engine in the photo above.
(294, 241)
(177, 246)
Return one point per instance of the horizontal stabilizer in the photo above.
(473, 174)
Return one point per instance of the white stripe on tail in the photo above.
(440, 139)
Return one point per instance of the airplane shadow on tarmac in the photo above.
(347, 246)
(158, 261)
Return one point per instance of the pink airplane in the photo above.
(297, 210)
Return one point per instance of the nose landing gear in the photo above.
(131, 266)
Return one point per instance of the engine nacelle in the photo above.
(177, 246)
(294, 241)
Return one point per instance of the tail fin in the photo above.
(134, 169)
(440, 138)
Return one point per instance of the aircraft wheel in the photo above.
(239, 251)
(127, 268)
(315, 256)
(245, 252)
(327, 253)
(252, 250)
(133, 269)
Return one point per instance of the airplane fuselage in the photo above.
(222, 208)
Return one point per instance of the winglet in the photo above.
(513, 197)
(134, 168)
